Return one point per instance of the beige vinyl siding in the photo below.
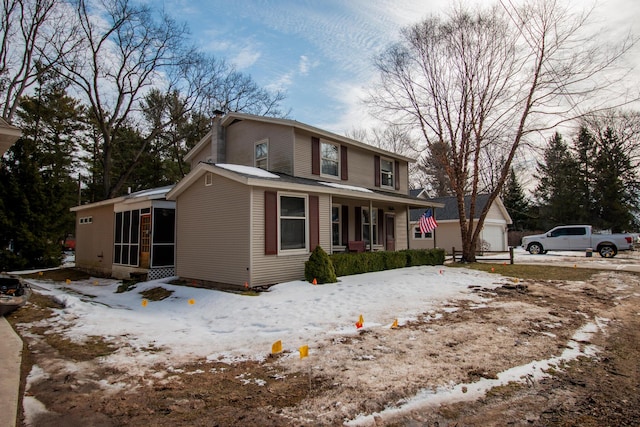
(202, 156)
(360, 165)
(212, 232)
(272, 269)
(94, 241)
(402, 238)
(242, 136)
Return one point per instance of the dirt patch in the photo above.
(463, 342)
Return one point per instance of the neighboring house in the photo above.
(493, 236)
(264, 192)
(8, 136)
(128, 235)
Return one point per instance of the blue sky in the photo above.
(320, 51)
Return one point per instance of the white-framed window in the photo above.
(336, 225)
(329, 159)
(386, 173)
(293, 214)
(208, 179)
(261, 154)
(367, 220)
(86, 220)
(417, 234)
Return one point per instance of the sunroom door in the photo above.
(145, 240)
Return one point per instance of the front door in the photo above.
(390, 232)
(145, 240)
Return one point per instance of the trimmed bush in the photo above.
(319, 267)
(417, 257)
(394, 260)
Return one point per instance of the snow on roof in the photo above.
(247, 170)
(160, 191)
(346, 187)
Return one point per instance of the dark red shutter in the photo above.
(345, 224)
(315, 155)
(358, 222)
(396, 174)
(376, 170)
(344, 168)
(270, 223)
(314, 222)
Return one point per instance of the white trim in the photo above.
(335, 144)
(297, 251)
(340, 224)
(264, 141)
(393, 173)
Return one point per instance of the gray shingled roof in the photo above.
(450, 209)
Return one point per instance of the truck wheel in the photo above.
(535, 249)
(607, 251)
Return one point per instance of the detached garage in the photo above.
(493, 236)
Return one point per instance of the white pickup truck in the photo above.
(577, 238)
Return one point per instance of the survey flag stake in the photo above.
(276, 347)
(192, 301)
(360, 322)
(315, 282)
(144, 302)
(304, 351)
(395, 324)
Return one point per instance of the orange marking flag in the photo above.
(360, 322)
(395, 324)
(304, 351)
(276, 347)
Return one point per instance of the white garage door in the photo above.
(495, 237)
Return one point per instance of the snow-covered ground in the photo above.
(218, 325)
(196, 323)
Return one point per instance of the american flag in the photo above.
(427, 222)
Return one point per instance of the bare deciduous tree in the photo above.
(481, 81)
(34, 36)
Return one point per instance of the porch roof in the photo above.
(259, 178)
(158, 193)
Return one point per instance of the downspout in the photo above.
(408, 224)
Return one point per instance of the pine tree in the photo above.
(557, 190)
(586, 152)
(516, 203)
(37, 186)
(615, 185)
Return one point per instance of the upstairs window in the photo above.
(262, 155)
(329, 159)
(386, 173)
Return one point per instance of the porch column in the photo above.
(371, 225)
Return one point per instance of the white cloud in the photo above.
(246, 57)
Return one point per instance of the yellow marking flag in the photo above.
(192, 301)
(276, 347)
(304, 351)
(144, 302)
(395, 324)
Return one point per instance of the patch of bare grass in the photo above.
(534, 272)
(59, 275)
(156, 294)
(91, 348)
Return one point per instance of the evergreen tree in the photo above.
(516, 203)
(434, 168)
(615, 185)
(36, 185)
(586, 153)
(558, 185)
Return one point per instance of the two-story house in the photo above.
(264, 192)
